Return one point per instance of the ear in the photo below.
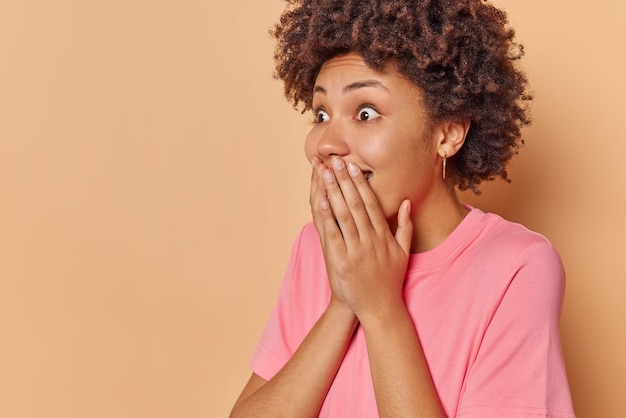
(452, 137)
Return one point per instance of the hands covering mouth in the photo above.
(366, 261)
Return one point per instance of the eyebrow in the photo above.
(355, 86)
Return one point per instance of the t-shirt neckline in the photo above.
(464, 232)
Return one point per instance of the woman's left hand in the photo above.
(365, 261)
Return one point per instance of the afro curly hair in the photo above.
(461, 53)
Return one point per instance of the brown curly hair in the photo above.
(461, 53)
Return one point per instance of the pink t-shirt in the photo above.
(486, 304)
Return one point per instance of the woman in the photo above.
(399, 300)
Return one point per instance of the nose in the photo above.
(333, 140)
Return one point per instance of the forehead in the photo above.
(344, 70)
(352, 59)
(349, 65)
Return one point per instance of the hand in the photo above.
(366, 263)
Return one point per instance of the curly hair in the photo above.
(461, 53)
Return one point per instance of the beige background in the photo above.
(152, 180)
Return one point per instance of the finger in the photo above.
(352, 196)
(330, 233)
(404, 232)
(338, 203)
(315, 183)
(370, 201)
(317, 192)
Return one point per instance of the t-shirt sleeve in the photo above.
(275, 348)
(302, 297)
(519, 369)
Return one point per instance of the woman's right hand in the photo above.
(366, 263)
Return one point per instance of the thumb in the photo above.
(404, 232)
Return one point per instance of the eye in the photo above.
(367, 113)
(320, 116)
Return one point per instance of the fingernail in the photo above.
(353, 169)
(324, 203)
(337, 163)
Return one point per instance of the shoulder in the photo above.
(307, 244)
(306, 281)
(307, 258)
(309, 233)
(517, 273)
(499, 252)
(513, 240)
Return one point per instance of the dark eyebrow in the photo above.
(319, 89)
(365, 83)
(354, 86)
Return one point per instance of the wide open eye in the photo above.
(367, 113)
(321, 116)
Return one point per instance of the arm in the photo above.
(402, 380)
(366, 266)
(519, 369)
(299, 389)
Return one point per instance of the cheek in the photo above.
(390, 195)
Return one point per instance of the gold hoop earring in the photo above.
(444, 166)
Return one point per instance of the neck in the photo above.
(435, 219)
